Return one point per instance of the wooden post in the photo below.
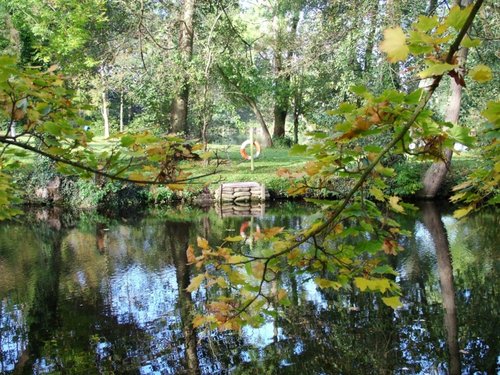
(251, 149)
(263, 193)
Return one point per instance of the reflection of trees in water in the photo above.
(177, 239)
(433, 223)
(434, 299)
(74, 326)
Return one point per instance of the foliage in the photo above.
(347, 245)
(47, 122)
(481, 186)
(344, 248)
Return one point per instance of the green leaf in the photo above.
(377, 193)
(127, 140)
(394, 45)
(481, 73)
(345, 108)
(370, 247)
(425, 23)
(461, 134)
(393, 302)
(298, 149)
(492, 112)
(436, 70)
(457, 17)
(467, 42)
(385, 270)
(373, 148)
(358, 90)
(385, 171)
(413, 97)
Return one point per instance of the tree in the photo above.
(283, 51)
(435, 175)
(40, 104)
(186, 34)
(322, 250)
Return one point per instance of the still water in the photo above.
(100, 295)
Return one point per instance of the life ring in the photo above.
(245, 226)
(244, 154)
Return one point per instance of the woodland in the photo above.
(149, 92)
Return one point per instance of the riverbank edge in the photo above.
(43, 186)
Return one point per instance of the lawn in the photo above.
(234, 168)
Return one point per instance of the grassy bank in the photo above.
(232, 168)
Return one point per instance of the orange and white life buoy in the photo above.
(244, 154)
(244, 228)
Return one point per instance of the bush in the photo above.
(408, 179)
(282, 142)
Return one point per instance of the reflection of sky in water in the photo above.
(148, 299)
(136, 294)
(12, 342)
(260, 337)
(140, 296)
(312, 294)
(425, 244)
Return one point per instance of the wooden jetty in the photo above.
(240, 192)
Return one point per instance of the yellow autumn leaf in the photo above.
(234, 239)
(281, 294)
(377, 193)
(234, 259)
(312, 168)
(195, 283)
(460, 213)
(191, 258)
(271, 232)
(325, 283)
(236, 277)
(393, 302)
(198, 320)
(221, 282)
(202, 243)
(394, 45)
(393, 201)
(481, 73)
(176, 186)
(372, 284)
(136, 176)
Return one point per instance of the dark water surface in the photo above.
(94, 295)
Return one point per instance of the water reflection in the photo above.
(98, 296)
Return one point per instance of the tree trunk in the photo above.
(104, 112)
(282, 76)
(180, 103)
(121, 112)
(371, 39)
(432, 221)
(267, 140)
(297, 110)
(104, 107)
(436, 174)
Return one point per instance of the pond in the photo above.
(98, 295)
